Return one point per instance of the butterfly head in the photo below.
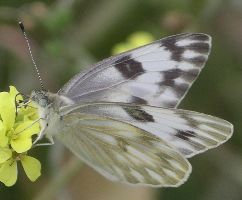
(41, 97)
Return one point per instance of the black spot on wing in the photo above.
(129, 67)
(185, 135)
(137, 113)
(138, 100)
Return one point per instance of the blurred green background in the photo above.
(68, 35)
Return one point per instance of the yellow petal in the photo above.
(13, 92)
(5, 154)
(30, 112)
(3, 137)
(8, 172)
(32, 167)
(21, 145)
(7, 109)
(27, 129)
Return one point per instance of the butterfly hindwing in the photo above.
(158, 74)
(122, 152)
(188, 132)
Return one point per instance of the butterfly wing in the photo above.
(137, 141)
(158, 74)
(188, 132)
(122, 152)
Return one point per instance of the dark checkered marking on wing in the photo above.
(171, 75)
(199, 47)
(137, 113)
(198, 36)
(198, 61)
(179, 88)
(177, 51)
(129, 67)
(190, 75)
(176, 73)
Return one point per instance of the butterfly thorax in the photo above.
(48, 105)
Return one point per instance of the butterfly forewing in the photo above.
(122, 152)
(157, 74)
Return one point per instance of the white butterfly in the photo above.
(120, 116)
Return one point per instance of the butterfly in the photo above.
(120, 116)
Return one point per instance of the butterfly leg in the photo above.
(41, 133)
(51, 142)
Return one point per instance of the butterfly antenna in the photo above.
(21, 25)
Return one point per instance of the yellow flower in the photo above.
(17, 126)
(5, 154)
(21, 136)
(134, 40)
(31, 167)
(9, 171)
(16, 132)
